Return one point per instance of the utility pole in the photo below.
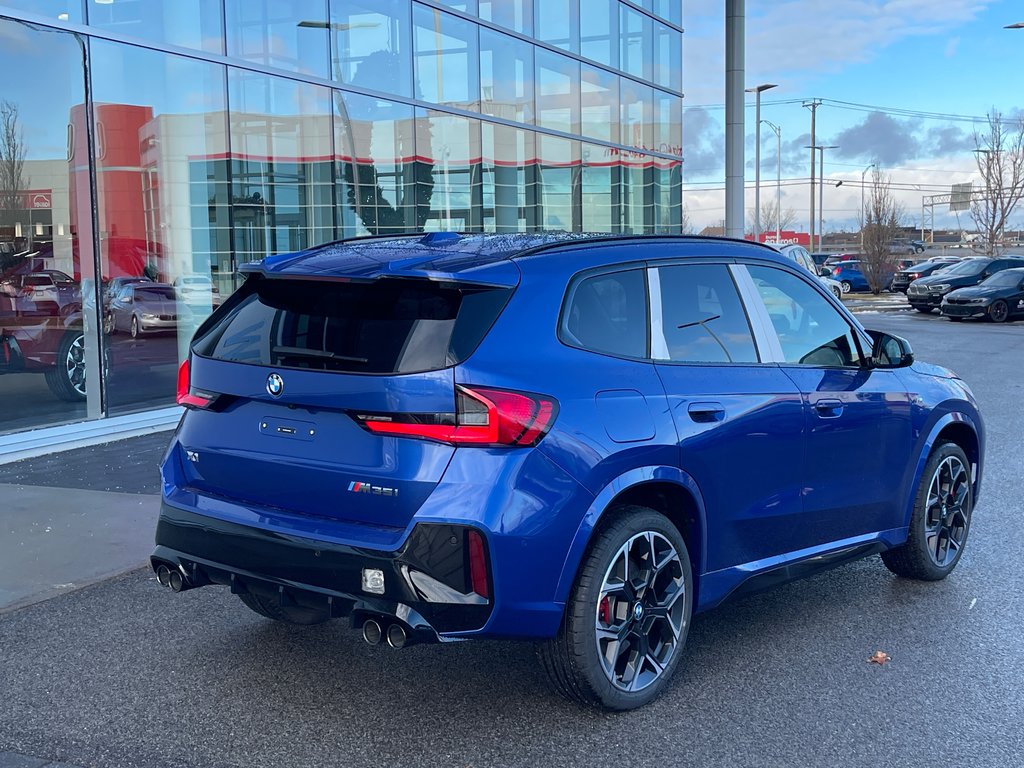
(735, 15)
(813, 106)
(862, 173)
(778, 180)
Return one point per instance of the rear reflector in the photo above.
(478, 564)
(188, 397)
(483, 417)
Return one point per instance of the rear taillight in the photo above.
(914, 275)
(837, 271)
(191, 398)
(483, 417)
(478, 564)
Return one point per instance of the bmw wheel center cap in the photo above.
(275, 384)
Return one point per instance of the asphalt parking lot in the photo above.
(123, 673)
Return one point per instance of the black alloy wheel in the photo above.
(66, 379)
(999, 311)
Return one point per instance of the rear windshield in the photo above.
(387, 326)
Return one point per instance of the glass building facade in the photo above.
(149, 147)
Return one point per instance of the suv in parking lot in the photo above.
(926, 293)
(578, 440)
(901, 282)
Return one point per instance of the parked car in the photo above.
(926, 293)
(539, 436)
(904, 245)
(907, 275)
(146, 308)
(851, 277)
(999, 298)
(197, 289)
(835, 258)
(113, 286)
(799, 255)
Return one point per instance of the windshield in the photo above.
(969, 267)
(1008, 278)
(154, 294)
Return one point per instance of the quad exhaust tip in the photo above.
(372, 632)
(163, 575)
(397, 636)
(175, 581)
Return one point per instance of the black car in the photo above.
(1000, 298)
(914, 272)
(926, 294)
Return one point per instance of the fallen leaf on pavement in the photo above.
(879, 657)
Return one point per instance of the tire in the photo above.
(925, 310)
(108, 325)
(838, 293)
(134, 328)
(847, 286)
(287, 614)
(953, 319)
(998, 312)
(923, 557)
(573, 658)
(66, 379)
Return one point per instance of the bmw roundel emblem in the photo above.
(275, 385)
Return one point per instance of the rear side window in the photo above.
(386, 326)
(702, 318)
(608, 314)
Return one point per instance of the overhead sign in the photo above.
(960, 197)
(787, 237)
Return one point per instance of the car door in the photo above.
(739, 422)
(120, 308)
(857, 423)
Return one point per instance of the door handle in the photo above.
(829, 409)
(704, 413)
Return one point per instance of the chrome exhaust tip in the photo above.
(163, 575)
(372, 632)
(175, 581)
(397, 636)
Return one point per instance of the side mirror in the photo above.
(890, 351)
(825, 272)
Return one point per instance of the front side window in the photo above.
(702, 318)
(810, 330)
(608, 313)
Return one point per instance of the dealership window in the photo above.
(449, 146)
(600, 193)
(558, 94)
(557, 23)
(668, 54)
(188, 23)
(558, 188)
(506, 77)
(635, 43)
(667, 123)
(447, 58)
(516, 15)
(371, 45)
(291, 36)
(599, 31)
(637, 101)
(509, 173)
(599, 104)
(56, 11)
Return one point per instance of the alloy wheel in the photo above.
(847, 286)
(999, 312)
(947, 514)
(74, 364)
(640, 611)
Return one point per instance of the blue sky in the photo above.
(950, 57)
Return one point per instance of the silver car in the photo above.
(799, 254)
(147, 308)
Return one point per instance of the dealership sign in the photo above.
(36, 199)
(786, 237)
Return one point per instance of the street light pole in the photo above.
(821, 192)
(862, 174)
(778, 180)
(756, 90)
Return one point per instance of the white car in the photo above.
(798, 254)
(197, 289)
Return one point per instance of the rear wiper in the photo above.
(322, 354)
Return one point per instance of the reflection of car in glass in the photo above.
(147, 308)
(583, 441)
(999, 298)
(197, 289)
(926, 293)
(799, 255)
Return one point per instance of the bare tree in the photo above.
(12, 163)
(882, 221)
(769, 213)
(999, 152)
(685, 223)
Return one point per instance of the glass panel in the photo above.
(162, 178)
(810, 329)
(48, 326)
(559, 159)
(450, 147)
(668, 57)
(636, 43)
(447, 59)
(599, 104)
(600, 189)
(371, 44)
(637, 193)
(668, 123)
(637, 108)
(506, 77)
(599, 31)
(290, 36)
(509, 194)
(57, 10)
(282, 156)
(558, 23)
(466, 6)
(558, 96)
(608, 313)
(516, 15)
(377, 167)
(668, 196)
(671, 10)
(702, 318)
(188, 23)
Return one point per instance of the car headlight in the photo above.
(941, 288)
(148, 316)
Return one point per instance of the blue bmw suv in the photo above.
(578, 440)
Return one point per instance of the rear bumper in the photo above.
(426, 582)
